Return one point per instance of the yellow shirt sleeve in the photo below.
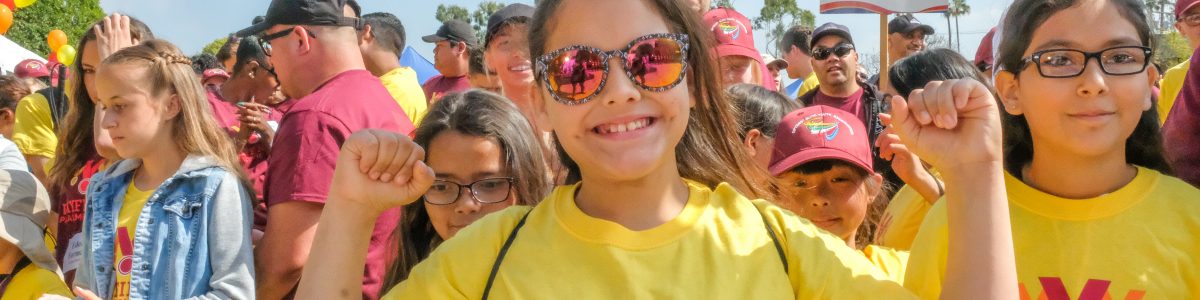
(927, 260)
(34, 130)
(32, 282)
(902, 218)
(809, 84)
(402, 84)
(1169, 88)
(892, 262)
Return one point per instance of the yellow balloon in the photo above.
(24, 3)
(66, 55)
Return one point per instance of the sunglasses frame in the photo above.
(833, 51)
(543, 64)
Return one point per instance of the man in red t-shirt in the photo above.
(314, 49)
(452, 57)
(835, 61)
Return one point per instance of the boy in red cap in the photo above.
(823, 160)
(1187, 21)
(739, 60)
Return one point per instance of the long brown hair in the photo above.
(193, 130)
(76, 144)
(710, 151)
(475, 113)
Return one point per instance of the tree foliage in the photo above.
(776, 17)
(214, 46)
(31, 24)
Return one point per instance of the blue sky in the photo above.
(192, 24)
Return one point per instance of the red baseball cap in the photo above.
(732, 30)
(31, 68)
(1182, 6)
(820, 132)
(214, 73)
(983, 55)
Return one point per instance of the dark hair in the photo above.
(916, 70)
(709, 152)
(355, 7)
(76, 143)
(12, 89)
(796, 36)
(866, 230)
(476, 65)
(204, 61)
(388, 31)
(1142, 148)
(475, 113)
(227, 50)
(758, 108)
(250, 51)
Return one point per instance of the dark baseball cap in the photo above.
(303, 12)
(906, 24)
(830, 28)
(501, 17)
(453, 30)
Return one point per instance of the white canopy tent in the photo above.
(11, 54)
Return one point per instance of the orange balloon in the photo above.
(56, 38)
(5, 19)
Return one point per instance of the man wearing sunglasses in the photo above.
(315, 51)
(1187, 21)
(836, 63)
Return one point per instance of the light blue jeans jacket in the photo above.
(192, 239)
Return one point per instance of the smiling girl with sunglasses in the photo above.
(653, 141)
(1094, 212)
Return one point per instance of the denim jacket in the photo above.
(192, 239)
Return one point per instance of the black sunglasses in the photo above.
(841, 50)
(264, 41)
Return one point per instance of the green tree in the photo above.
(33, 23)
(479, 17)
(1170, 49)
(452, 12)
(776, 17)
(214, 46)
(723, 3)
(958, 9)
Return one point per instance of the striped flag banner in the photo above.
(883, 6)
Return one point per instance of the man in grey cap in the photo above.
(906, 35)
(27, 267)
(452, 58)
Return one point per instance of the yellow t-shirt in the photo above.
(1169, 88)
(891, 261)
(131, 210)
(809, 84)
(902, 219)
(402, 84)
(33, 131)
(31, 282)
(716, 248)
(1138, 242)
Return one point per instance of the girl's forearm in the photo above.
(338, 256)
(980, 255)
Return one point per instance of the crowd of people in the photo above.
(653, 152)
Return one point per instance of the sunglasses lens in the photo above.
(656, 63)
(576, 74)
(842, 50)
(821, 54)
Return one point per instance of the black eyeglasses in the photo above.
(1066, 63)
(488, 190)
(264, 41)
(841, 50)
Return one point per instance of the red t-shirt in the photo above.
(308, 142)
(69, 205)
(439, 86)
(852, 104)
